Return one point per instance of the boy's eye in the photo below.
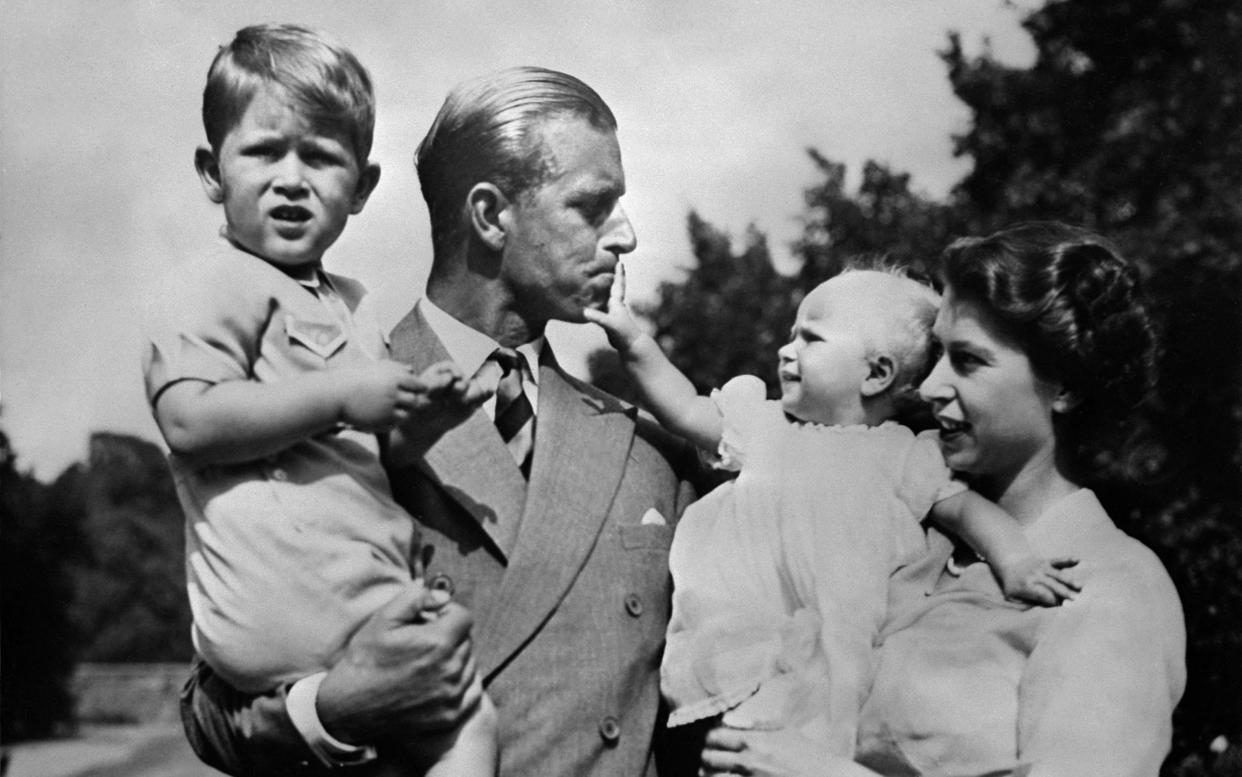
(322, 156)
(262, 151)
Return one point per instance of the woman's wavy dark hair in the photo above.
(1074, 305)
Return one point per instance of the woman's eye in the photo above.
(964, 361)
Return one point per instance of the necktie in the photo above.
(515, 418)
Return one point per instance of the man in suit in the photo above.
(548, 512)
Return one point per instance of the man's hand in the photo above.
(615, 319)
(409, 670)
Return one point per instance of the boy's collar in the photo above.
(306, 274)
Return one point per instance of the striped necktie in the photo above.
(515, 418)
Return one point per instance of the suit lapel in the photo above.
(582, 443)
(470, 462)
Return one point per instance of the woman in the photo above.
(1046, 347)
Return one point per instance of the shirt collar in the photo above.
(469, 347)
(1068, 523)
(307, 276)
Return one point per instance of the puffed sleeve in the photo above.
(744, 413)
(202, 323)
(1098, 693)
(926, 479)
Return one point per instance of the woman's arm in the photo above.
(1098, 692)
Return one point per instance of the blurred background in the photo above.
(762, 148)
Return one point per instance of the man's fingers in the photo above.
(407, 606)
(1064, 562)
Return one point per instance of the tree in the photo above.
(37, 655)
(131, 601)
(883, 218)
(730, 314)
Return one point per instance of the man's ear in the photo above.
(208, 168)
(367, 180)
(487, 205)
(883, 371)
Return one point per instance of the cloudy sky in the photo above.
(717, 102)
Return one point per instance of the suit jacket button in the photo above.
(633, 605)
(610, 730)
(441, 582)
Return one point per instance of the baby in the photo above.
(269, 379)
(780, 576)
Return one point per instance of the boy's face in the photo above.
(287, 186)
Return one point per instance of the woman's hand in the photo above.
(781, 753)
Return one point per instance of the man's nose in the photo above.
(620, 238)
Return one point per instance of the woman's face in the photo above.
(995, 414)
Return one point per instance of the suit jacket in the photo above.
(567, 576)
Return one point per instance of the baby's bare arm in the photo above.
(235, 421)
(665, 390)
(996, 536)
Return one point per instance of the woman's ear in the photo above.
(882, 372)
(487, 204)
(208, 168)
(1065, 401)
(367, 180)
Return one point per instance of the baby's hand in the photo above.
(615, 319)
(1039, 581)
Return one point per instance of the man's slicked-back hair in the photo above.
(323, 79)
(485, 131)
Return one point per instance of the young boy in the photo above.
(269, 379)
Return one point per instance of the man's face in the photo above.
(564, 237)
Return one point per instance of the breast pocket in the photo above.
(646, 537)
(322, 338)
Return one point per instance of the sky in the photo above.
(716, 102)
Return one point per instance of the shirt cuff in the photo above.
(331, 752)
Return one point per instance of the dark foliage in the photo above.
(36, 642)
(130, 602)
(730, 315)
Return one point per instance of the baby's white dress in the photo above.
(780, 576)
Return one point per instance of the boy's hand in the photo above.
(616, 320)
(376, 397)
(379, 396)
(1039, 581)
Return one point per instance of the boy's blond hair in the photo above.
(326, 82)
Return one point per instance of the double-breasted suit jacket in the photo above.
(567, 574)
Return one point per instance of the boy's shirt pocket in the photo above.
(323, 338)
